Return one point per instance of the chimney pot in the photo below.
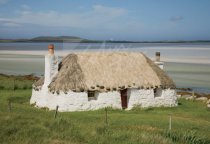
(51, 49)
(157, 54)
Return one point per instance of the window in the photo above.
(91, 95)
(157, 92)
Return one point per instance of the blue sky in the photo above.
(106, 19)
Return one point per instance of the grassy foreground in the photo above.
(27, 124)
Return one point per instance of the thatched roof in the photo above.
(97, 71)
(38, 83)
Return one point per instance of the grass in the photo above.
(27, 124)
(16, 82)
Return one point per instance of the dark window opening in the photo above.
(91, 95)
(157, 92)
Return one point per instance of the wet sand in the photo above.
(171, 58)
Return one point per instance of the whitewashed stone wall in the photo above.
(68, 102)
(168, 98)
(73, 101)
(143, 98)
(146, 98)
(51, 68)
(160, 64)
(106, 99)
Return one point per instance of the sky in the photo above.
(137, 20)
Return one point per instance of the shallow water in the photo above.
(187, 64)
(196, 76)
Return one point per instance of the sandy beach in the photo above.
(166, 58)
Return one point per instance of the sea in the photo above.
(188, 64)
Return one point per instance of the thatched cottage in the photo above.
(94, 80)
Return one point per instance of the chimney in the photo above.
(157, 60)
(51, 49)
(51, 65)
(157, 54)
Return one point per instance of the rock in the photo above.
(185, 96)
(202, 99)
(190, 98)
(179, 96)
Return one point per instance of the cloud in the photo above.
(99, 15)
(3, 1)
(99, 22)
(25, 7)
(110, 10)
(9, 23)
(176, 18)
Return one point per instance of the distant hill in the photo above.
(57, 39)
(49, 39)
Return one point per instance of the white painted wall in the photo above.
(146, 98)
(106, 99)
(51, 68)
(160, 64)
(67, 102)
(168, 98)
(73, 101)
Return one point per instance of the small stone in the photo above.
(179, 96)
(187, 97)
(202, 99)
(190, 98)
(208, 102)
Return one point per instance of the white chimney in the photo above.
(51, 65)
(157, 54)
(157, 60)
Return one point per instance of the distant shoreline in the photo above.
(73, 39)
(29, 41)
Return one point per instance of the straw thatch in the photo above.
(39, 82)
(37, 85)
(95, 71)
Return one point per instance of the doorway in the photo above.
(124, 98)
